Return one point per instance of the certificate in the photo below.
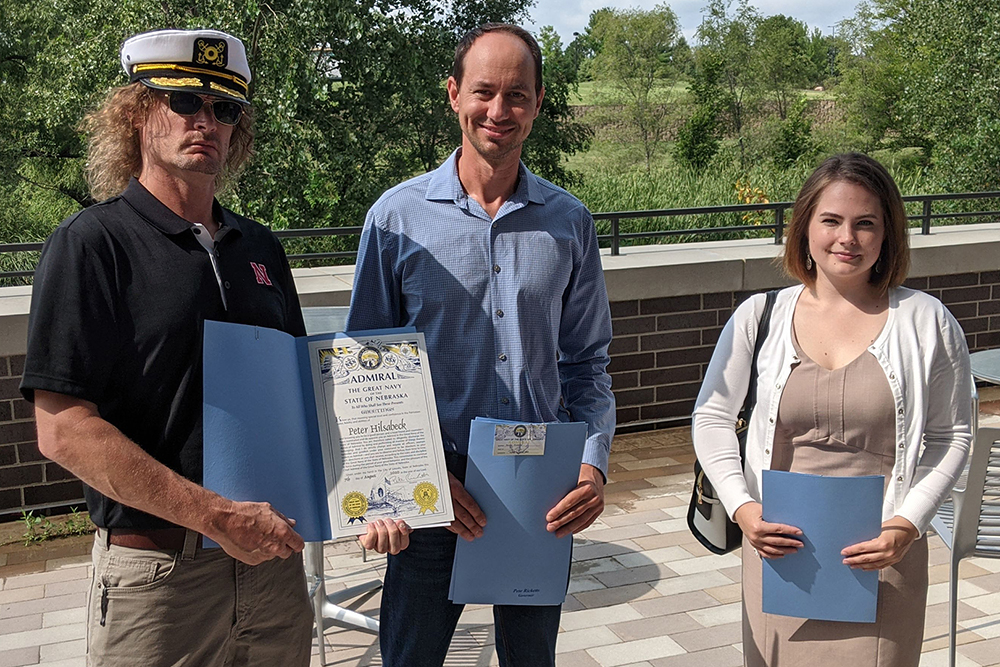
(333, 430)
(381, 443)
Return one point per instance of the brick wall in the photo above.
(661, 347)
(658, 358)
(26, 478)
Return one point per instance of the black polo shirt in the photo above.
(118, 307)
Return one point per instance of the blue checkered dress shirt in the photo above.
(514, 309)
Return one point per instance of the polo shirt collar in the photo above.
(445, 185)
(160, 216)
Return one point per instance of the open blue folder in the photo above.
(833, 513)
(517, 561)
(261, 429)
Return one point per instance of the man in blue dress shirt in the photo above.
(501, 271)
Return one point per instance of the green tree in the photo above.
(794, 136)
(586, 45)
(925, 73)
(635, 61)
(872, 84)
(951, 98)
(40, 98)
(555, 132)
(781, 48)
(682, 58)
(730, 36)
(349, 98)
(698, 138)
(822, 52)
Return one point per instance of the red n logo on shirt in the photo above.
(260, 271)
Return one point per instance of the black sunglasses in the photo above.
(188, 104)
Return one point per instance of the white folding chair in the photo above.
(326, 608)
(969, 523)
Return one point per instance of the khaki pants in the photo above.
(195, 607)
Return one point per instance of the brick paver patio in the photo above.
(643, 592)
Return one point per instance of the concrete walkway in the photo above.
(643, 593)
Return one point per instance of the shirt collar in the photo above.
(445, 185)
(158, 215)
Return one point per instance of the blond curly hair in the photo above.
(113, 152)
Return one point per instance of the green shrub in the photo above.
(794, 138)
(697, 140)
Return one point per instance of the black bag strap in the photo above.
(762, 330)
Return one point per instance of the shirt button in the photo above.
(499, 313)
(901, 411)
(505, 401)
(494, 225)
(226, 284)
(502, 357)
(767, 451)
(771, 419)
(777, 386)
(899, 479)
(892, 376)
(196, 230)
(901, 445)
(496, 268)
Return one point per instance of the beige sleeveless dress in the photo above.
(838, 423)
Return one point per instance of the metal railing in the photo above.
(615, 238)
(777, 209)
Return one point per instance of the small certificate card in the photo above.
(382, 449)
(519, 440)
(333, 430)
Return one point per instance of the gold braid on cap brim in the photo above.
(237, 81)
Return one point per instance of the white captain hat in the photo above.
(208, 62)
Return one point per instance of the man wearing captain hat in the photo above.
(114, 366)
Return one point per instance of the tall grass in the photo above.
(611, 183)
(669, 186)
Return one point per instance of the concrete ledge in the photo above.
(324, 286)
(14, 305)
(958, 249)
(648, 272)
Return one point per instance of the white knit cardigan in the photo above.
(923, 353)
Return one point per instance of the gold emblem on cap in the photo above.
(426, 494)
(176, 83)
(222, 89)
(355, 505)
(210, 53)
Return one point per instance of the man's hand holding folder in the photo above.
(469, 519)
(575, 512)
(581, 506)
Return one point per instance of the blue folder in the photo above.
(832, 513)
(517, 561)
(261, 430)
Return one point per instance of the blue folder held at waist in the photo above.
(517, 561)
(832, 513)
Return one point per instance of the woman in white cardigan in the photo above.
(857, 376)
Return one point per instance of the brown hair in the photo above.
(458, 66)
(894, 259)
(113, 152)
